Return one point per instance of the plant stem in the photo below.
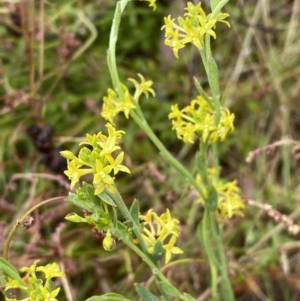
(225, 283)
(205, 226)
(111, 55)
(142, 123)
(122, 207)
(217, 9)
(155, 270)
(140, 120)
(20, 221)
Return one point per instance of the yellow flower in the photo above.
(102, 177)
(171, 249)
(51, 270)
(198, 119)
(230, 202)
(110, 106)
(144, 87)
(74, 172)
(113, 104)
(116, 163)
(101, 160)
(126, 105)
(192, 28)
(37, 289)
(173, 41)
(161, 228)
(48, 295)
(30, 270)
(151, 3)
(108, 146)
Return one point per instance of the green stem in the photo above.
(140, 120)
(111, 55)
(225, 283)
(20, 221)
(201, 164)
(209, 251)
(142, 123)
(155, 270)
(122, 207)
(217, 9)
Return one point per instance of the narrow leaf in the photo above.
(212, 198)
(203, 93)
(106, 198)
(158, 251)
(108, 297)
(9, 270)
(201, 167)
(123, 232)
(169, 289)
(75, 218)
(145, 294)
(188, 297)
(90, 194)
(135, 211)
(76, 201)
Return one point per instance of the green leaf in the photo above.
(108, 297)
(202, 93)
(145, 294)
(75, 218)
(123, 233)
(169, 289)
(201, 167)
(106, 198)
(78, 202)
(212, 198)
(89, 190)
(135, 211)
(2, 279)
(9, 270)
(158, 251)
(188, 297)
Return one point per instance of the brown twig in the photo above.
(270, 148)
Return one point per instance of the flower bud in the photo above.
(109, 243)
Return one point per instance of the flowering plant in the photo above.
(93, 173)
(36, 288)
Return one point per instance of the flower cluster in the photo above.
(37, 289)
(100, 161)
(199, 119)
(113, 104)
(161, 228)
(192, 28)
(230, 202)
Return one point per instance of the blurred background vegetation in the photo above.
(53, 72)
